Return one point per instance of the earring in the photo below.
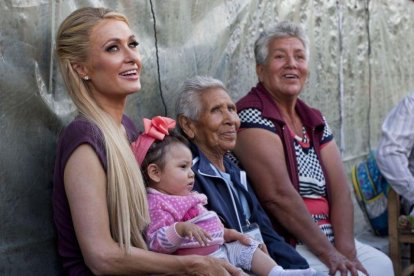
(86, 78)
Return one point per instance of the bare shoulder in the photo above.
(84, 173)
(257, 140)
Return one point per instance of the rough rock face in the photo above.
(361, 65)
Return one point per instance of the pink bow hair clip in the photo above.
(154, 129)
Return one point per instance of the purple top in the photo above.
(79, 131)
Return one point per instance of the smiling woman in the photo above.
(284, 52)
(209, 131)
(296, 171)
(99, 199)
(207, 116)
(114, 63)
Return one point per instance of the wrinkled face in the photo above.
(215, 131)
(114, 64)
(286, 68)
(177, 177)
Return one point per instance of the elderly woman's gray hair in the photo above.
(188, 102)
(280, 30)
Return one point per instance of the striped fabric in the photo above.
(395, 157)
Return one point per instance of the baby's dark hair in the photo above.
(156, 152)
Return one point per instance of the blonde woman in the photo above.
(99, 200)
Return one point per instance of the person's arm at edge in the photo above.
(86, 191)
(280, 198)
(395, 147)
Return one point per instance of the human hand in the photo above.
(359, 266)
(336, 262)
(350, 253)
(233, 235)
(205, 265)
(190, 230)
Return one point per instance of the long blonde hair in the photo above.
(126, 196)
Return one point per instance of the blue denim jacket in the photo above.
(220, 200)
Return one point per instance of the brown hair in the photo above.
(156, 152)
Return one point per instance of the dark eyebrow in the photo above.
(115, 39)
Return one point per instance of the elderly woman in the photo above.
(207, 116)
(296, 171)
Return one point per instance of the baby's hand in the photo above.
(190, 230)
(231, 235)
